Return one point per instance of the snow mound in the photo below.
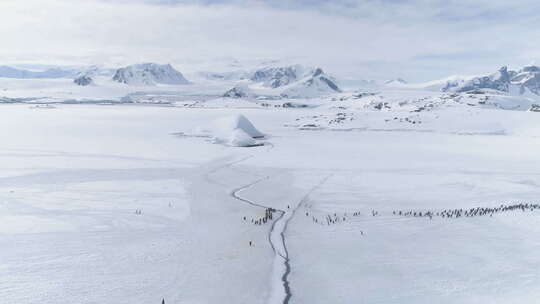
(239, 138)
(234, 131)
(228, 125)
(149, 74)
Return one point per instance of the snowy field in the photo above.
(269, 152)
(134, 203)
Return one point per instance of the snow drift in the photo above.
(235, 131)
(228, 125)
(239, 138)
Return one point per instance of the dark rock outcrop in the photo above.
(83, 80)
(236, 92)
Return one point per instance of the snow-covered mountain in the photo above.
(294, 81)
(11, 72)
(275, 77)
(148, 74)
(313, 84)
(525, 80)
(528, 78)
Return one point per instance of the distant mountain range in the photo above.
(523, 81)
(11, 72)
(146, 74)
(289, 81)
(293, 81)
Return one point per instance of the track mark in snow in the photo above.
(287, 217)
(281, 292)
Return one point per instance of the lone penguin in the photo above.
(163, 301)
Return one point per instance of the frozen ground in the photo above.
(119, 204)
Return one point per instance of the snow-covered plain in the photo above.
(126, 204)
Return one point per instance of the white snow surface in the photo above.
(107, 204)
(239, 138)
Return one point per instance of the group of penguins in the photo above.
(472, 212)
(335, 218)
(268, 216)
(330, 219)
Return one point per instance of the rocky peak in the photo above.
(275, 77)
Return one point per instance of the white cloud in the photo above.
(414, 39)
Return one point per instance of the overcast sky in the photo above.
(371, 39)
